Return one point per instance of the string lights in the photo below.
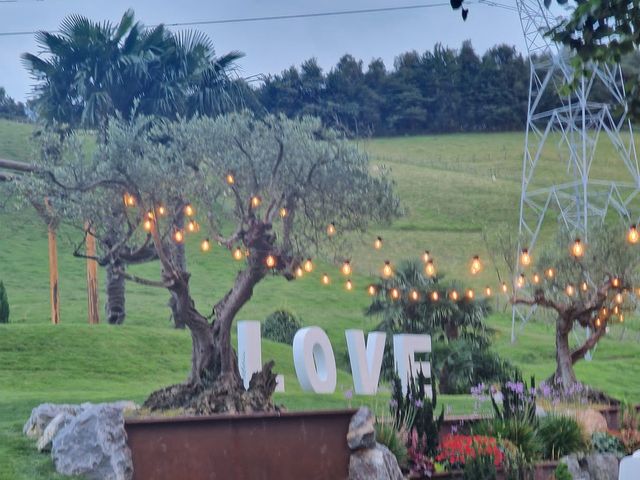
(147, 225)
(308, 265)
(270, 261)
(325, 279)
(476, 265)
(371, 290)
(453, 295)
(430, 268)
(577, 249)
(283, 212)
(230, 179)
(470, 294)
(178, 236)
(346, 268)
(205, 246)
(331, 229)
(632, 235)
(299, 272)
(256, 201)
(129, 200)
(426, 256)
(394, 293)
(189, 211)
(377, 243)
(161, 210)
(525, 257)
(387, 269)
(349, 285)
(570, 290)
(237, 254)
(414, 295)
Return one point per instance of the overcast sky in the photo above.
(272, 46)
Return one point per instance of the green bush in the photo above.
(480, 467)
(281, 326)
(390, 437)
(560, 436)
(562, 472)
(519, 432)
(602, 442)
(4, 304)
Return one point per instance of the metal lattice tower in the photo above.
(575, 122)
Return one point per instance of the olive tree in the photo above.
(267, 187)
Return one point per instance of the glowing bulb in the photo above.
(577, 249)
(435, 296)
(147, 225)
(346, 268)
(453, 295)
(205, 246)
(598, 322)
(616, 310)
(615, 282)
(189, 211)
(536, 278)
(395, 294)
(550, 273)
(237, 253)
(371, 290)
(387, 270)
(129, 200)
(470, 294)
(325, 279)
(161, 210)
(504, 287)
(570, 290)
(520, 281)
(192, 226)
(476, 265)
(621, 317)
(525, 258)
(426, 256)
(584, 287)
(604, 312)
(377, 243)
(230, 179)
(487, 291)
(178, 236)
(299, 272)
(256, 201)
(331, 229)
(270, 261)
(308, 265)
(430, 268)
(414, 295)
(632, 235)
(283, 212)
(150, 215)
(619, 298)
(348, 285)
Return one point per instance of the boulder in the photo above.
(58, 423)
(93, 444)
(596, 466)
(374, 463)
(362, 432)
(43, 414)
(591, 421)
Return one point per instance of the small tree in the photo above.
(590, 291)
(264, 187)
(4, 304)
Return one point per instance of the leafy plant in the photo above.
(420, 464)
(515, 465)
(518, 401)
(518, 431)
(629, 434)
(4, 304)
(456, 450)
(281, 326)
(562, 472)
(602, 442)
(480, 467)
(391, 437)
(560, 435)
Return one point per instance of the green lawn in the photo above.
(453, 187)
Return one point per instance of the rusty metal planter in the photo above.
(296, 445)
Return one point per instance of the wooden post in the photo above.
(53, 276)
(92, 278)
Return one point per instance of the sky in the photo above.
(271, 46)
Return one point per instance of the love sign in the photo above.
(315, 363)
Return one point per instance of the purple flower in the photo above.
(454, 429)
(348, 394)
(419, 403)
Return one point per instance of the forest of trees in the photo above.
(10, 109)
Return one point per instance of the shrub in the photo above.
(4, 304)
(518, 401)
(281, 326)
(456, 450)
(602, 442)
(391, 437)
(480, 467)
(519, 432)
(562, 472)
(560, 436)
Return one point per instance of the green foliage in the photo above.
(479, 467)
(389, 435)
(518, 401)
(562, 472)
(515, 464)
(560, 435)
(518, 431)
(602, 442)
(281, 326)
(4, 304)
(10, 109)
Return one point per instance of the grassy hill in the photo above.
(453, 187)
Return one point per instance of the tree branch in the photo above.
(579, 353)
(142, 281)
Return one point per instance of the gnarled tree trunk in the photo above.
(115, 289)
(564, 374)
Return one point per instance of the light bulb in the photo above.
(377, 243)
(178, 236)
(550, 273)
(504, 287)
(615, 282)
(536, 278)
(426, 256)
(387, 270)
(129, 200)
(256, 201)
(346, 268)
(147, 225)
(299, 272)
(584, 286)
(487, 291)
(435, 296)
(161, 210)
(570, 290)
(371, 290)
(325, 279)
(189, 211)
(150, 215)
(283, 212)
(476, 265)
(192, 226)
(598, 322)
(525, 258)
(470, 294)
(237, 253)
(270, 261)
(619, 298)
(520, 282)
(395, 294)
(230, 179)
(577, 249)
(632, 235)
(331, 229)
(414, 295)
(205, 246)
(348, 285)
(430, 268)
(308, 265)
(453, 295)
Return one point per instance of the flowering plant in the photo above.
(456, 449)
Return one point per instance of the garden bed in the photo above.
(543, 471)
(259, 445)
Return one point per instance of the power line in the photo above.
(334, 13)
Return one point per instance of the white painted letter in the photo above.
(405, 347)
(314, 360)
(365, 368)
(249, 350)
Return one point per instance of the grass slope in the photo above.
(453, 187)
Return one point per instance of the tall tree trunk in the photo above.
(115, 287)
(564, 375)
(180, 257)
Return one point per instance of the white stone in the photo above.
(58, 423)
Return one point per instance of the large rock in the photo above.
(596, 466)
(591, 421)
(58, 423)
(374, 463)
(94, 445)
(362, 432)
(43, 414)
